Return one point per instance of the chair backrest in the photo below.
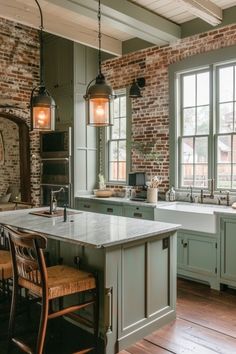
(4, 244)
(27, 255)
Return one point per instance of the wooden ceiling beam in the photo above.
(204, 9)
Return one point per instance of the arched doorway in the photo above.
(24, 154)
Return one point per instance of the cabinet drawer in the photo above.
(110, 209)
(86, 205)
(139, 212)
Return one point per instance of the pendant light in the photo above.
(99, 97)
(41, 103)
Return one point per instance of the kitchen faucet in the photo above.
(53, 201)
(190, 195)
(211, 195)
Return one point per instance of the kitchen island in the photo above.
(136, 261)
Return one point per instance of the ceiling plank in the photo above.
(205, 9)
(127, 17)
(58, 24)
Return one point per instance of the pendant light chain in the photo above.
(41, 46)
(99, 36)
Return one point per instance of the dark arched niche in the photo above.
(24, 147)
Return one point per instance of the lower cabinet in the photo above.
(228, 251)
(197, 256)
(100, 206)
(139, 212)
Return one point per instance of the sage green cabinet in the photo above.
(103, 207)
(197, 256)
(228, 251)
(139, 212)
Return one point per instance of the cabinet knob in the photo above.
(185, 244)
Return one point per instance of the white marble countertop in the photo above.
(86, 228)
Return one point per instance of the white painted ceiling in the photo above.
(174, 10)
(156, 21)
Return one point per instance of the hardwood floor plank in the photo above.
(182, 336)
(145, 347)
(209, 309)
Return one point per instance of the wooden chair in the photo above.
(5, 264)
(31, 273)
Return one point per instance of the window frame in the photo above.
(211, 60)
(104, 143)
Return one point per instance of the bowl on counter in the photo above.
(103, 193)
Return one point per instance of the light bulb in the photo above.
(100, 110)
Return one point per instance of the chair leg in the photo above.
(96, 317)
(42, 325)
(11, 327)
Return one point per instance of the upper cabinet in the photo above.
(69, 67)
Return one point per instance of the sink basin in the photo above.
(195, 217)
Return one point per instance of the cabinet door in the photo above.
(139, 212)
(181, 244)
(228, 249)
(201, 254)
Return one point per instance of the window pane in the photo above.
(187, 150)
(122, 151)
(123, 128)
(224, 149)
(187, 175)
(226, 84)
(123, 106)
(116, 107)
(189, 121)
(203, 120)
(234, 148)
(122, 171)
(113, 154)
(201, 176)
(234, 177)
(189, 90)
(113, 171)
(224, 176)
(203, 88)
(226, 117)
(115, 129)
(201, 150)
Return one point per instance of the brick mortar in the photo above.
(150, 113)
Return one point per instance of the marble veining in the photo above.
(86, 228)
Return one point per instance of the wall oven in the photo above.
(55, 151)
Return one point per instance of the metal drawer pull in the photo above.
(109, 309)
(138, 215)
(110, 210)
(87, 206)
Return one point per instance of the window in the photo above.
(206, 127)
(117, 141)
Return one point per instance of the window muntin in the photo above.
(117, 141)
(207, 127)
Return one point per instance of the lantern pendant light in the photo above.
(99, 97)
(41, 103)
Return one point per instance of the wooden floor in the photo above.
(206, 323)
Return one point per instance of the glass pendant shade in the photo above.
(43, 111)
(99, 101)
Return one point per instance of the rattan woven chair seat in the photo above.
(62, 281)
(5, 265)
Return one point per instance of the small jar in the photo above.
(172, 194)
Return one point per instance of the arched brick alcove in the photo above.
(24, 154)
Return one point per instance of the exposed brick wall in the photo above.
(19, 73)
(10, 169)
(150, 114)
